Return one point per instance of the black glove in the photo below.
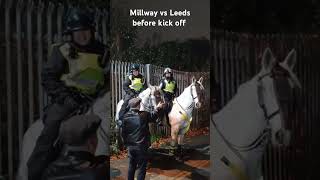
(84, 101)
(131, 93)
(71, 102)
(61, 97)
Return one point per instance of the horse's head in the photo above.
(197, 90)
(150, 98)
(274, 84)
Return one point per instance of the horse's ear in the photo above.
(193, 79)
(291, 59)
(200, 80)
(268, 60)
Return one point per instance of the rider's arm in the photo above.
(106, 65)
(162, 84)
(126, 85)
(51, 73)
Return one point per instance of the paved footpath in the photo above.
(164, 167)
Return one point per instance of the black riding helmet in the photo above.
(78, 19)
(134, 67)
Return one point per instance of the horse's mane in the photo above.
(145, 92)
(184, 91)
(242, 97)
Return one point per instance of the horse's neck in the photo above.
(185, 100)
(241, 120)
(144, 96)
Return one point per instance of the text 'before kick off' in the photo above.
(159, 23)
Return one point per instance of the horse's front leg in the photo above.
(174, 139)
(174, 135)
(180, 139)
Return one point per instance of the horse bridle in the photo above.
(148, 108)
(193, 98)
(267, 116)
(265, 133)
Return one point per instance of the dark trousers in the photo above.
(168, 97)
(124, 108)
(138, 159)
(44, 151)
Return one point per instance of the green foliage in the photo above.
(86, 3)
(191, 55)
(155, 138)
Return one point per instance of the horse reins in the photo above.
(261, 102)
(191, 105)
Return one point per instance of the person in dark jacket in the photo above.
(133, 85)
(74, 74)
(136, 137)
(77, 162)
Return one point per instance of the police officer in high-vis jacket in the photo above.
(133, 85)
(169, 87)
(74, 74)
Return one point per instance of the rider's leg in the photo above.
(102, 109)
(43, 152)
(167, 109)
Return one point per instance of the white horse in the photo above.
(100, 108)
(180, 116)
(243, 128)
(148, 101)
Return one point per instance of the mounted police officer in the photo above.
(74, 74)
(133, 85)
(169, 87)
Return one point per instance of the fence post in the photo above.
(40, 8)
(9, 87)
(105, 21)
(19, 71)
(60, 11)
(147, 73)
(49, 26)
(30, 61)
